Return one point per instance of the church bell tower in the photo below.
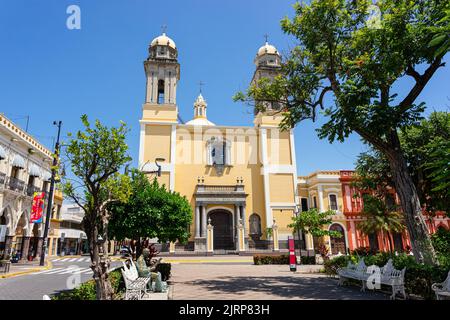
(159, 111)
(163, 71)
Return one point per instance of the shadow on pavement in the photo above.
(286, 287)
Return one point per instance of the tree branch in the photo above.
(421, 81)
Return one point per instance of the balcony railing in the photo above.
(219, 189)
(32, 189)
(16, 184)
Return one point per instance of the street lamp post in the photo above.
(50, 195)
(297, 212)
(158, 171)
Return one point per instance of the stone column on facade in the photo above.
(240, 238)
(321, 206)
(172, 248)
(309, 242)
(49, 246)
(276, 245)
(236, 224)
(204, 222)
(25, 248)
(210, 238)
(197, 221)
(244, 223)
(8, 243)
(39, 247)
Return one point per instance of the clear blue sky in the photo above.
(51, 73)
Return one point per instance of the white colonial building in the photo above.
(25, 168)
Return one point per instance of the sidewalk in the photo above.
(25, 267)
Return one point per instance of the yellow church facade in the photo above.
(232, 175)
(241, 181)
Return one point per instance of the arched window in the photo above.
(218, 152)
(160, 91)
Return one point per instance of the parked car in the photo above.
(125, 251)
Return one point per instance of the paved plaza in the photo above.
(201, 278)
(234, 281)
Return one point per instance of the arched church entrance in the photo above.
(338, 244)
(222, 221)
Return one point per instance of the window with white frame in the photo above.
(218, 152)
(333, 201)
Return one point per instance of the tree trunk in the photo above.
(404, 186)
(391, 246)
(100, 266)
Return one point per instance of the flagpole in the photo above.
(50, 195)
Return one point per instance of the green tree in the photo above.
(426, 146)
(359, 63)
(151, 211)
(378, 217)
(441, 34)
(313, 222)
(95, 156)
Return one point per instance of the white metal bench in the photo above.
(352, 271)
(135, 286)
(389, 276)
(442, 290)
(386, 275)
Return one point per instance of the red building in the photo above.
(352, 207)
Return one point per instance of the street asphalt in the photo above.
(65, 274)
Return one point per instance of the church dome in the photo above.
(200, 113)
(163, 40)
(267, 49)
(200, 122)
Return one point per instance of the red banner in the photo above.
(37, 207)
(292, 259)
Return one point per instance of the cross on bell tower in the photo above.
(200, 85)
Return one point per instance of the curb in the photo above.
(175, 261)
(21, 273)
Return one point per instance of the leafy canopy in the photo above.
(426, 146)
(340, 52)
(95, 156)
(379, 217)
(314, 223)
(151, 211)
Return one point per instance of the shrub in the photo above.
(278, 259)
(332, 265)
(86, 291)
(418, 277)
(441, 243)
(308, 260)
(165, 270)
(363, 251)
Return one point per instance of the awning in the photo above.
(2, 153)
(46, 175)
(18, 162)
(34, 170)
